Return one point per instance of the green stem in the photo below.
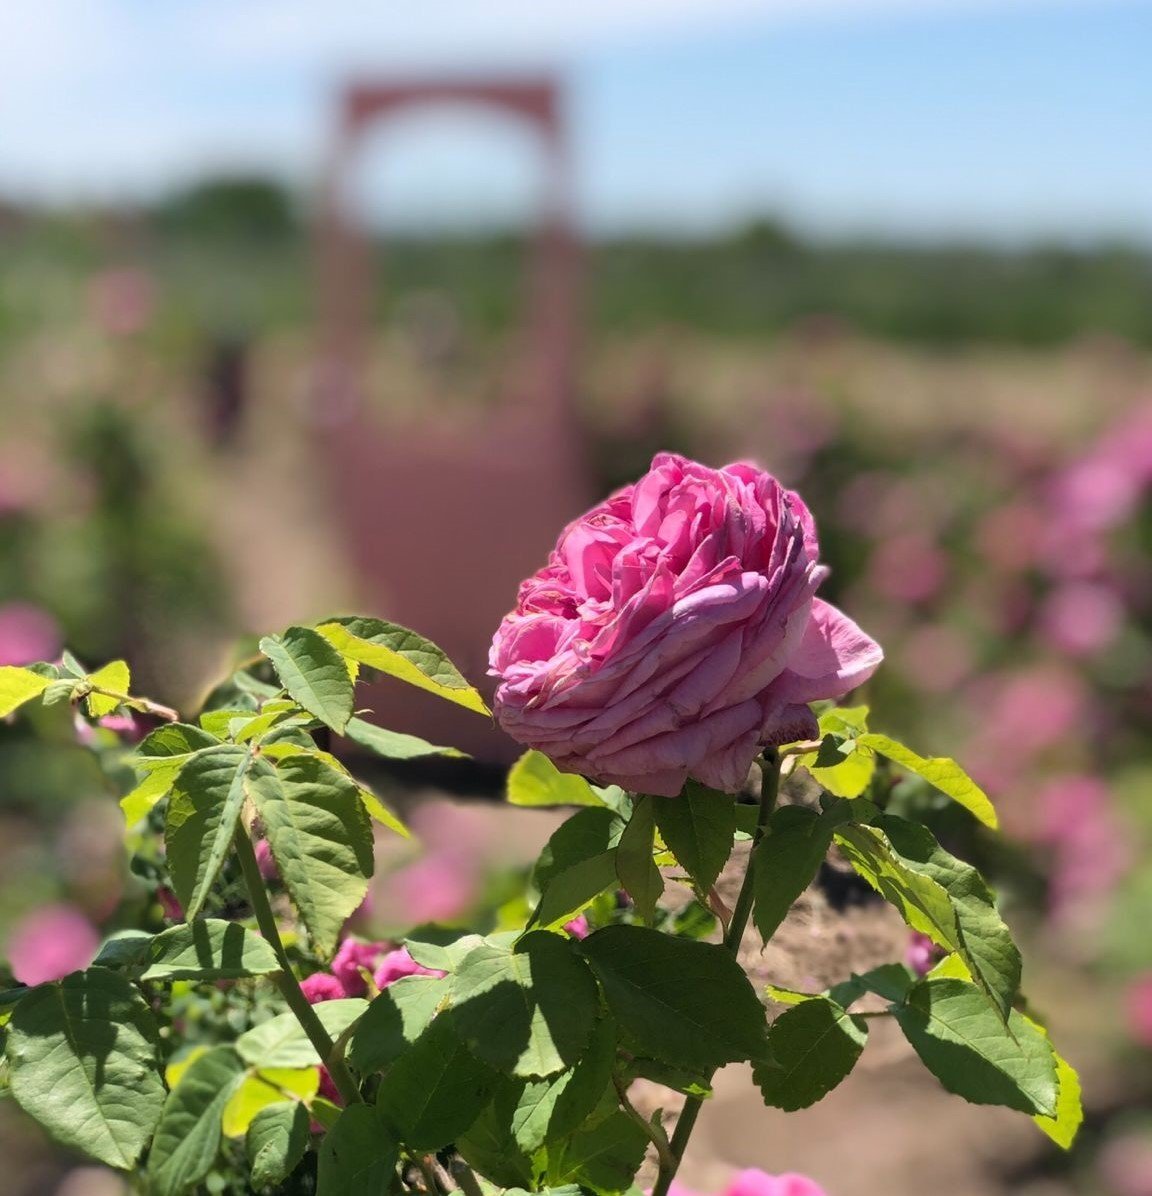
(289, 985)
(769, 791)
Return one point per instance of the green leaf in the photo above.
(685, 1003)
(394, 745)
(787, 859)
(113, 676)
(18, 686)
(277, 1139)
(605, 1156)
(403, 654)
(940, 771)
(535, 781)
(209, 950)
(358, 1156)
(138, 804)
(1065, 1125)
(168, 744)
(812, 1047)
(320, 837)
(394, 1021)
(281, 1043)
(966, 1046)
(527, 1011)
(82, 1061)
(940, 896)
(436, 1090)
(267, 1086)
(124, 949)
(698, 828)
(635, 868)
(203, 814)
(488, 1145)
(839, 767)
(376, 808)
(577, 864)
(313, 673)
(188, 1136)
(548, 1110)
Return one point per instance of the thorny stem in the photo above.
(289, 985)
(769, 791)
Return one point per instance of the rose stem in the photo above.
(769, 790)
(289, 985)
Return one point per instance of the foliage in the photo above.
(513, 1058)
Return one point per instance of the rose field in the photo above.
(639, 696)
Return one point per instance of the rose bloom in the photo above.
(759, 1183)
(51, 942)
(675, 631)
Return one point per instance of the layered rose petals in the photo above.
(675, 631)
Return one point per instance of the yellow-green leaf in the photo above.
(402, 654)
(940, 771)
(264, 1088)
(535, 781)
(18, 686)
(851, 775)
(138, 804)
(1065, 1125)
(113, 676)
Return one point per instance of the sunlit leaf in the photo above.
(209, 949)
(403, 654)
(313, 673)
(82, 1061)
(535, 781)
(18, 686)
(812, 1047)
(114, 676)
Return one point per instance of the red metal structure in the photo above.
(440, 526)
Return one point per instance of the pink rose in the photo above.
(675, 631)
(27, 634)
(352, 961)
(51, 942)
(757, 1183)
(320, 986)
(578, 927)
(398, 964)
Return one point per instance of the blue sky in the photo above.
(1017, 119)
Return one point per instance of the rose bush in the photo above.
(675, 631)
(673, 638)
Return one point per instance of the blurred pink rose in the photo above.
(1082, 617)
(935, 659)
(1138, 1002)
(675, 631)
(321, 986)
(578, 928)
(51, 942)
(27, 634)
(922, 954)
(265, 860)
(908, 568)
(438, 888)
(398, 964)
(757, 1183)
